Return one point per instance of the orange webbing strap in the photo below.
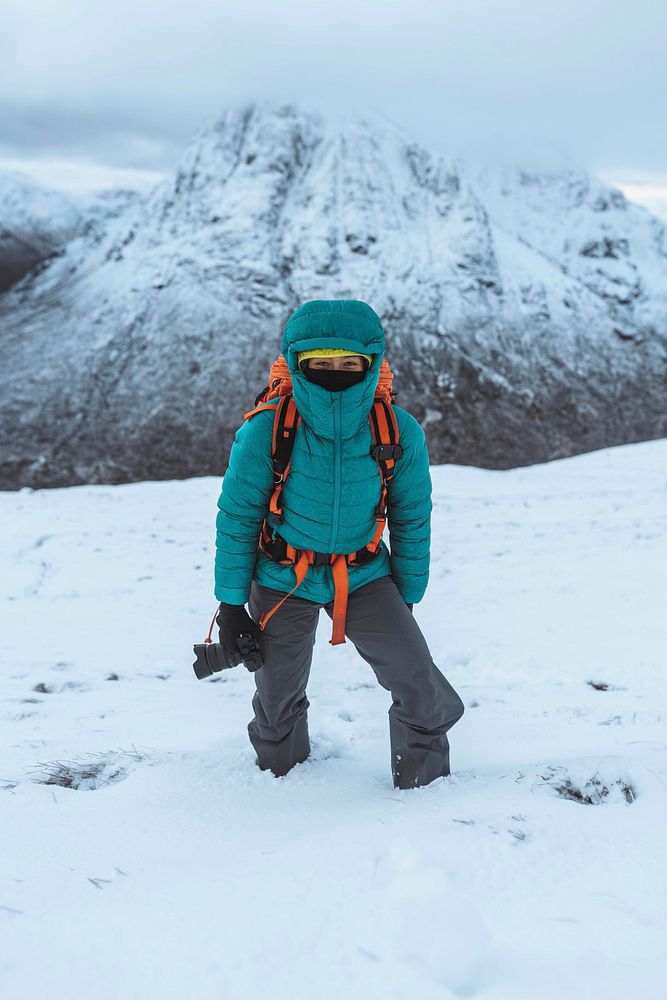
(300, 569)
(341, 585)
(285, 424)
(341, 590)
(379, 531)
(384, 389)
(384, 426)
(384, 431)
(208, 639)
(258, 409)
(286, 419)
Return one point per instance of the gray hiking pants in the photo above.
(381, 627)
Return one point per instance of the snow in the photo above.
(38, 219)
(644, 187)
(35, 221)
(182, 870)
(83, 178)
(30, 208)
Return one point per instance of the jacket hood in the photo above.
(346, 323)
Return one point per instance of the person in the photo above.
(334, 350)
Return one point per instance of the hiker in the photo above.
(310, 538)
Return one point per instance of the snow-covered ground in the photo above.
(181, 870)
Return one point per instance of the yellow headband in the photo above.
(328, 352)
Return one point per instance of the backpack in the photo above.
(386, 449)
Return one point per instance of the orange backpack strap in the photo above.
(302, 559)
(385, 450)
(259, 409)
(285, 424)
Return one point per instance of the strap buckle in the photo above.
(321, 558)
(365, 555)
(384, 452)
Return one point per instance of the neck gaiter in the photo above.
(333, 379)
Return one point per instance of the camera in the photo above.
(211, 657)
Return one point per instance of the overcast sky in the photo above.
(126, 83)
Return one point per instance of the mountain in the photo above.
(525, 309)
(34, 222)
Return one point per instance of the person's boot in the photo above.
(280, 756)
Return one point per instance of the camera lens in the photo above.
(201, 666)
(211, 657)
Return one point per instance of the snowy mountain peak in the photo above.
(525, 310)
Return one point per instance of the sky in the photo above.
(125, 86)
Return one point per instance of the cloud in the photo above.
(120, 135)
(130, 82)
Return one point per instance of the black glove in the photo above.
(233, 620)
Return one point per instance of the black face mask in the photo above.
(334, 379)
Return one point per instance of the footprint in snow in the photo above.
(43, 688)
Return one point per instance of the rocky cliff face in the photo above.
(526, 310)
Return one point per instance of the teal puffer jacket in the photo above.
(333, 484)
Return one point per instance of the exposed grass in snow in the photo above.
(593, 791)
(90, 772)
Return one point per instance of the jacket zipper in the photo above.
(338, 446)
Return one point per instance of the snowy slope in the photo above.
(614, 249)
(34, 222)
(187, 872)
(526, 312)
(37, 221)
